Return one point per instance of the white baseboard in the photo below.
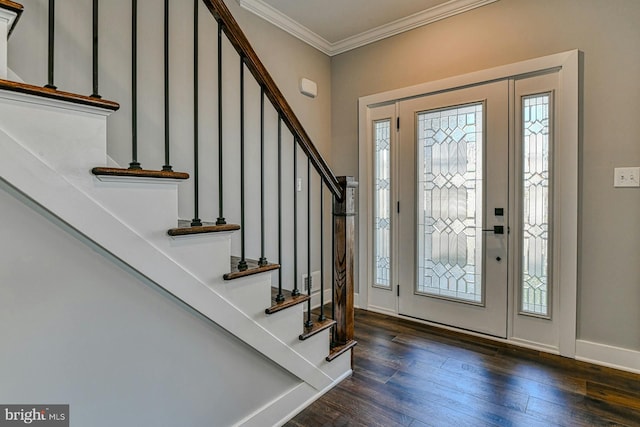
(532, 345)
(387, 311)
(607, 355)
(278, 412)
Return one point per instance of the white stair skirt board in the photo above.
(72, 196)
(607, 355)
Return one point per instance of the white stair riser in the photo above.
(206, 256)
(337, 366)
(316, 348)
(287, 324)
(151, 209)
(251, 294)
(70, 140)
(7, 18)
(4, 30)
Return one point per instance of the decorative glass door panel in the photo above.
(449, 202)
(535, 204)
(382, 203)
(453, 190)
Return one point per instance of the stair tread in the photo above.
(139, 173)
(185, 229)
(340, 349)
(58, 94)
(318, 326)
(289, 300)
(252, 268)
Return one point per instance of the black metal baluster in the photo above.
(309, 322)
(220, 220)
(321, 317)
(263, 259)
(167, 164)
(95, 93)
(195, 222)
(134, 164)
(280, 296)
(242, 265)
(52, 22)
(295, 291)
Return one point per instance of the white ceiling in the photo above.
(335, 26)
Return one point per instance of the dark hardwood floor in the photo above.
(409, 374)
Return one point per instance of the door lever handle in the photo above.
(497, 229)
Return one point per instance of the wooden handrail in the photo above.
(240, 42)
(11, 5)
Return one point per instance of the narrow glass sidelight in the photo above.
(449, 203)
(536, 144)
(382, 203)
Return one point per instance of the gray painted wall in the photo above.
(78, 327)
(514, 30)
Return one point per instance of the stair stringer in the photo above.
(77, 205)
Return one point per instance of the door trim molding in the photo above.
(567, 64)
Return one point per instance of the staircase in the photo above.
(55, 149)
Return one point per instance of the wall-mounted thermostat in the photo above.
(308, 87)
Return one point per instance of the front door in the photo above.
(453, 211)
(470, 191)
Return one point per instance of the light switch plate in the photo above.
(626, 177)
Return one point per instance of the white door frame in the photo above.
(566, 178)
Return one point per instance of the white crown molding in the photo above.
(282, 21)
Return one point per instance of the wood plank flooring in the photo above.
(409, 374)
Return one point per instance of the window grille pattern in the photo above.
(449, 202)
(535, 219)
(382, 203)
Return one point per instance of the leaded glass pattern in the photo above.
(382, 203)
(449, 202)
(535, 213)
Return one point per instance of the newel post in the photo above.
(344, 215)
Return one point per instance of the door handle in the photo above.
(497, 229)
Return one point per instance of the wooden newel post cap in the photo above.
(346, 206)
